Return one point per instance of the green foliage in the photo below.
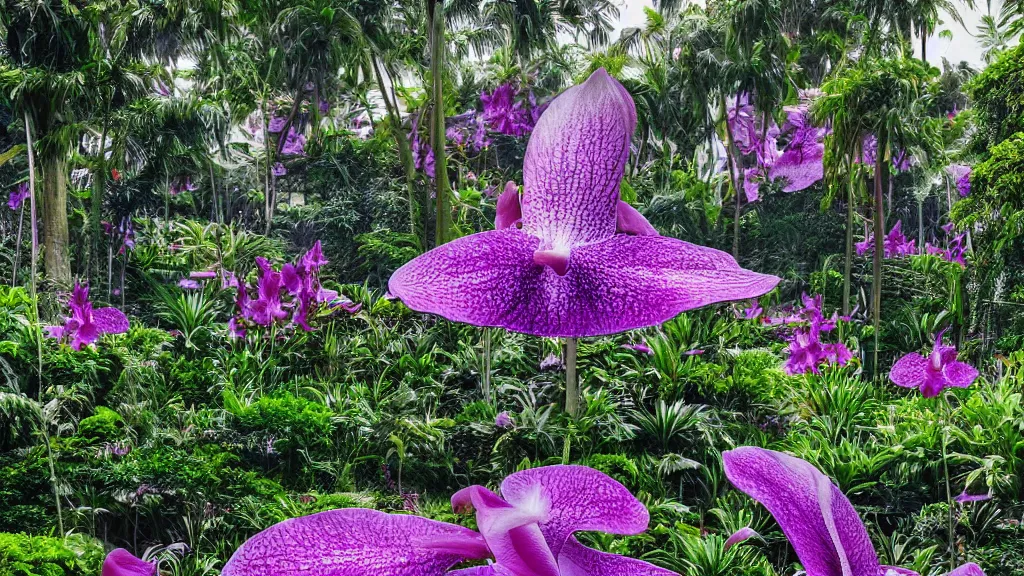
(104, 425)
(23, 555)
(998, 97)
(287, 422)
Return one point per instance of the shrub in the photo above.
(104, 425)
(23, 555)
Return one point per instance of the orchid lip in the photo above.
(556, 259)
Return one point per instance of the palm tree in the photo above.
(882, 97)
(925, 18)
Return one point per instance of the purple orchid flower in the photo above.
(807, 351)
(640, 347)
(121, 562)
(527, 530)
(741, 535)
(278, 170)
(17, 196)
(294, 144)
(895, 245)
(934, 373)
(965, 498)
(754, 311)
(203, 275)
(189, 284)
(277, 124)
(551, 362)
(961, 175)
(820, 522)
(505, 111)
(568, 272)
(85, 325)
(503, 420)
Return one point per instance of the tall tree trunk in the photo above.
(55, 219)
(268, 194)
(404, 150)
(444, 211)
(881, 179)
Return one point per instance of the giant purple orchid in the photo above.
(527, 531)
(121, 562)
(934, 373)
(577, 261)
(86, 325)
(820, 522)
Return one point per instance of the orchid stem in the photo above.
(572, 385)
(487, 366)
(17, 247)
(947, 415)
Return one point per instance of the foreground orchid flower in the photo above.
(932, 375)
(85, 325)
(527, 531)
(829, 537)
(121, 562)
(569, 271)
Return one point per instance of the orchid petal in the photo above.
(627, 282)
(822, 525)
(355, 542)
(959, 374)
(909, 371)
(121, 562)
(578, 560)
(629, 220)
(511, 531)
(740, 535)
(509, 211)
(968, 569)
(896, 571)
(801, 167)
(575, 161)
(110, 321)
(575, 498)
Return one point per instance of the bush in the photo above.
(23, 555)
(104, 425)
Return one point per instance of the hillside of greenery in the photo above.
(289, 288)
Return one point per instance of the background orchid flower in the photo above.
(527, 531)
(569, 272)
(85, 325)
(17, 196)
(121, 562)
(820, 522)
(934, 373)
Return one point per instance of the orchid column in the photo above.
(569, 259)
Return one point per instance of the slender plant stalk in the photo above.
(730, 151)
(947, 416)
(572, 384)
(404, 151)
(487, 366)
(37, 324)
(268, 200)
(881, 177)
(848, 265)
(17, 247)
(443, 197)
(98, 190)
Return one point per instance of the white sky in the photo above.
(962, 47)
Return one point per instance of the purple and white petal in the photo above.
(356, 542)
(629, 220)
(578, 560)
(627, 282)
(819, 521)
(508, 210)
(121, 562)
(575, 161)
(968, 569)
(575, 498)
(741, 535)
(959, 374)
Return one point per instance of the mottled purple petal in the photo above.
(578, 560)
(909, 371)
(968, 569)
(964, 497)
(801, 168)
(508, 210)
(959, 374)
(575, 161)
(820, 523)
(740, 535)
(576, 498)
(355, 542)
(627, 282)
(630, 221)
(121, 562)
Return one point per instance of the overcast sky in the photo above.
(962, 47)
